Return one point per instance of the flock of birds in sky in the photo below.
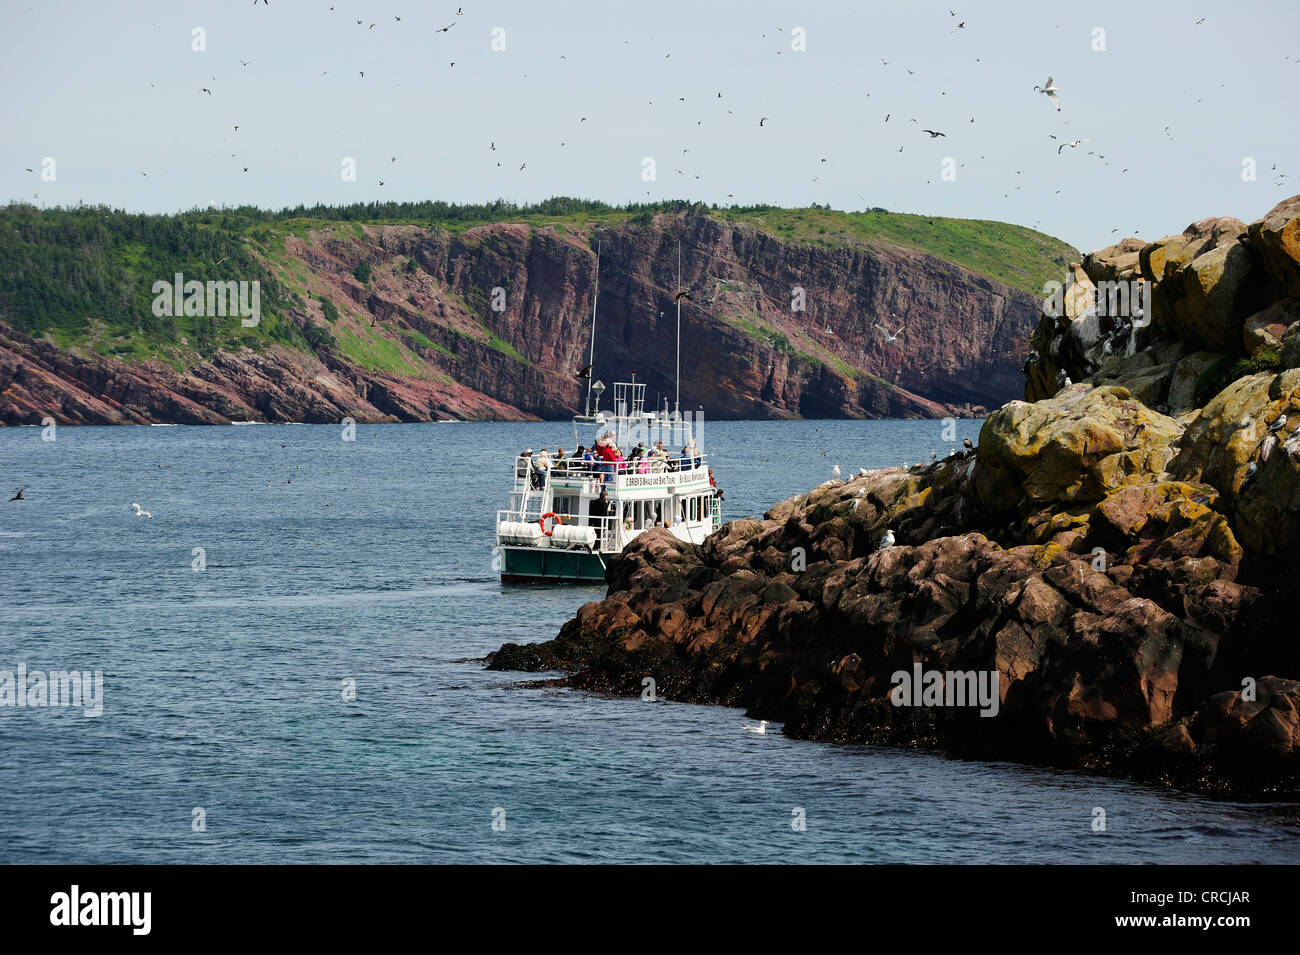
(1049, 89)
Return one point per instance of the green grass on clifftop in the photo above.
(83, 276)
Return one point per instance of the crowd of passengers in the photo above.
(604, 460)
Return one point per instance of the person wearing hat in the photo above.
(541, 464)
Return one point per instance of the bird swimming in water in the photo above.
(760, 729)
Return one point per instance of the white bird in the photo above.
(140, 511)
(1051, 92)
(760, 729)
(862, 472)
(933, 456)
(889, 337)
(1073, 144)
(835, 471)
(887, 541)
(1278, 425)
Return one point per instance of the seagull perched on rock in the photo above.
(835, 472)
(1050, 92)
(887, 541)
(1278, 425)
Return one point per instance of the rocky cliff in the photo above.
(1118, 551)
(494, 321)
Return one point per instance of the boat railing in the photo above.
(571, 470)
(606, 527)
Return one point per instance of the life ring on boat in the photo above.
(559, 519)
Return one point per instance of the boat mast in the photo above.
(677, 398)
(591, 357)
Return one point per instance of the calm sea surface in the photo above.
(370, 561)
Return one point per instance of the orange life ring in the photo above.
(559, 519)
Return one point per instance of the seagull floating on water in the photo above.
(760, 729)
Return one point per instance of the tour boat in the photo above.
(557, 527)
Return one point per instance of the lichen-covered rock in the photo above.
(1267, 327)
(1276, 239)
(1069, 449)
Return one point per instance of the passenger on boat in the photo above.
(658, 459)
(714, 484)
(690, 456)
(610, 456)
(522, 463)
(541, 464)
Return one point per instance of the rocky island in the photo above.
(1119, 550)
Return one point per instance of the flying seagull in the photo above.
(16, 497)
(835, 472)
(1073, 144)
(762, 121)
(140, 511)
(1050, 92)
(933, 134)
(684, 294)
(584, 373)
(888, 337)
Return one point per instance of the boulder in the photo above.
(1266, 328)
(1072, 448)
(1211, 310)
(1115, 262)
(1229, 436)
(1276, 240)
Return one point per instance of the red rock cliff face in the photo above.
(745, 351)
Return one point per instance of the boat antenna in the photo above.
(677, 398)
(591, 358)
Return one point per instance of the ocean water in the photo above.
(369, 561)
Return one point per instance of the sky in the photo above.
(104, 101)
